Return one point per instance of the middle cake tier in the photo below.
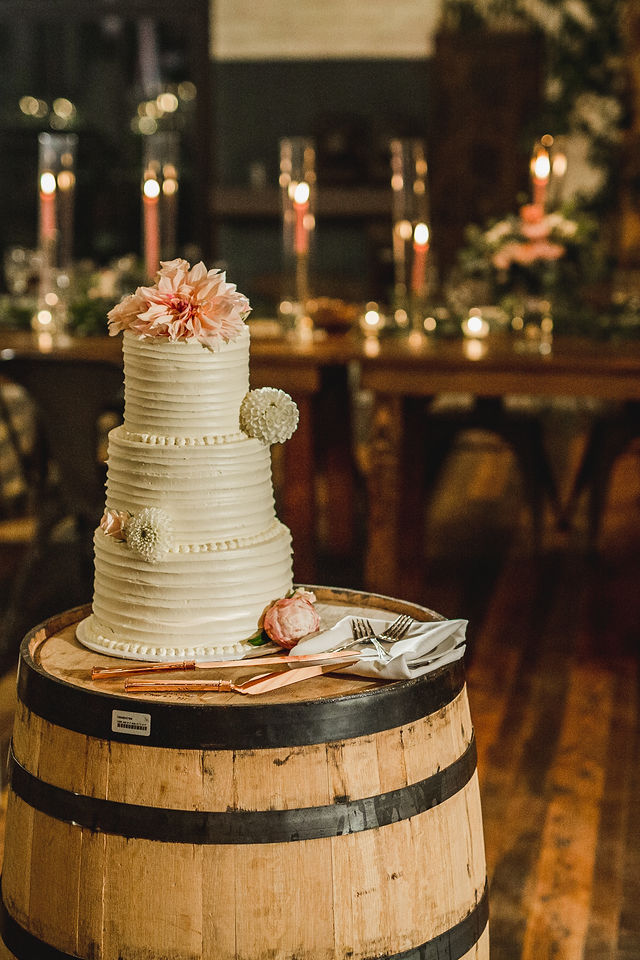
(213, 491)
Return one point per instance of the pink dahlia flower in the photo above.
(186, 303)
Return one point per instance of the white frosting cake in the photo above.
(190, 551)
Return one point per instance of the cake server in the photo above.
(108, 673)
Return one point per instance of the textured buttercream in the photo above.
(180, 454)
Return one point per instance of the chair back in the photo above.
(70, 397)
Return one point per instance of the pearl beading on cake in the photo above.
(166, 441)
(237, 543)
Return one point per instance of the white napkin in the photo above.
(425, 647)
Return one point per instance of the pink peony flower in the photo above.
(528, 253)
(503, 258)
(113, 524)
(288, 620)
(186, 303)
(535, 231)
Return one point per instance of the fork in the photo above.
(363, 631)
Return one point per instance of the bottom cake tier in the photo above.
(194, 606)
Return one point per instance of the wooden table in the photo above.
(402, 374)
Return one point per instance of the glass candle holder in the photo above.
(298, 195)
(56, 189)
(160, 185)
(56, 197)
(411, 228)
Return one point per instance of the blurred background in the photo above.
(479, 81)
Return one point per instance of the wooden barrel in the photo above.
(337, 818)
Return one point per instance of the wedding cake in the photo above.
(189, 552)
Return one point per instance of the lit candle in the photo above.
(301, 207)
(420, 249)
(47, 208)
(150, 195)
(540, 171)
(475, 326)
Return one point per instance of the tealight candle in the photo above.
(475, 326)
(372, 321)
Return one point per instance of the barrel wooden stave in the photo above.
(371, 893)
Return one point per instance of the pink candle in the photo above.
(420, 250)
(301, 207)
(47, 207)
(151, 217)
(540, 171)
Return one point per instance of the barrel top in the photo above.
(55, 681)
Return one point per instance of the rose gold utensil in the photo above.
(260, 684)
(114, 673)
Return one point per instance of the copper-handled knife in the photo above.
(113, 673)
(260, 684)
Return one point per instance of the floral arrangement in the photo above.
(268, 415)
(185, 303)
(148, 533)
(291, 618)
(532, 254)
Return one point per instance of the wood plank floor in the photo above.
(553, 676)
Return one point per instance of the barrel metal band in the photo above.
(242, 826)
(251, 726)
(453, 943)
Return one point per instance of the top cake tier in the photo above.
(183, 389)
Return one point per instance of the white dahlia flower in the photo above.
(150, 533)
(269, 415)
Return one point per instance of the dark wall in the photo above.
(351, 108)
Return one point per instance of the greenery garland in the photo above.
(585, 88)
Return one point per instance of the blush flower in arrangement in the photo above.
(554, 256)
(186, 303)
(268, 415)
(290, 619)
(114, 523)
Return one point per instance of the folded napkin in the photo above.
(425, 647)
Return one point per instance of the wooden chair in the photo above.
(522, 431)
(611, 432)
(67, 473)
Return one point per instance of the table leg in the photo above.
(396, 498)
(298, 495)
(383, 495)
(334, 456)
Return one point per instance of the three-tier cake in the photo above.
(189, 551)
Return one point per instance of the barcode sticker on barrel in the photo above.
(137, 724)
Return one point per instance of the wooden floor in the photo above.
(553, 674)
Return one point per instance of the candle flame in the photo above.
(48, 183)
(421, 234)
(301, 193)
(474, 324)
(151, 188)
(541, 165)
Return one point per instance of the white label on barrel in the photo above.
(137, 724)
